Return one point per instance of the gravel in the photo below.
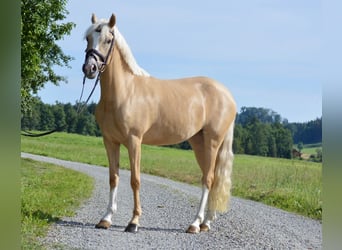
(168, 209)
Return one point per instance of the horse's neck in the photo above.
(116, 80)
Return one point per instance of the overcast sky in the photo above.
(265, 51)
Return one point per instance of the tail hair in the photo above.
(219, 196)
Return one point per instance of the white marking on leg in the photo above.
(112, 205)
(211, 216)
(200, 214)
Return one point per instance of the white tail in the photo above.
(219, 195)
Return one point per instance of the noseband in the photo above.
(92, 53)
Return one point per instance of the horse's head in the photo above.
(100, 41)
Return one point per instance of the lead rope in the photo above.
(81, 107)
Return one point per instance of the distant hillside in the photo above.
(260, 131)
(307, 132)
(263, 115)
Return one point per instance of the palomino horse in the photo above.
(137, 108)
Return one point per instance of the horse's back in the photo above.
(214, 98)
(190, 87)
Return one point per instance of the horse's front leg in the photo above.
(134, 151)
(113, 153)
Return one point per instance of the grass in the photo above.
(292, 185)
(311, 149)
(48, 192)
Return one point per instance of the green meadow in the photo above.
(311, 148)
(292, 185)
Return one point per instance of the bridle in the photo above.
(101, 68)
(97, 55)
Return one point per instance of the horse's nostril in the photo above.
(93, 68)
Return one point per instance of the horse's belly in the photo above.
(162, 138)
(166, 133)
(176, 122)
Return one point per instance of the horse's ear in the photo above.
(112, 21)
(93, 18)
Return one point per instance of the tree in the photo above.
(266, 137)
(32, 121)
(308, 132)
(47, 119)
(283, 141)
(59, 115)
(239, 139)
(300, 146)
(248, 114)
(70, 118)
(41, 27)
(272, 146)
(258, 138)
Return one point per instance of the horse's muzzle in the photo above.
(90, 68)
(94, 62)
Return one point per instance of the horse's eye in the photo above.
(109, 41)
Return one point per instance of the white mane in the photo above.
(127, 54)
(123, 47)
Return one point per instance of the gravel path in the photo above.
(168, 208)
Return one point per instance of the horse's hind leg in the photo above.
(113, 153)
(211, 216)
(205, 150)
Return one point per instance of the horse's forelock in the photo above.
(93, 28)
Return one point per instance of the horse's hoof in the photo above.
(204, 228)
(103, 224)
(193, 229)
(132, 228)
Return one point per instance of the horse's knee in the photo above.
(135, 184)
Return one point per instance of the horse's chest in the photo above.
(110, 122)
